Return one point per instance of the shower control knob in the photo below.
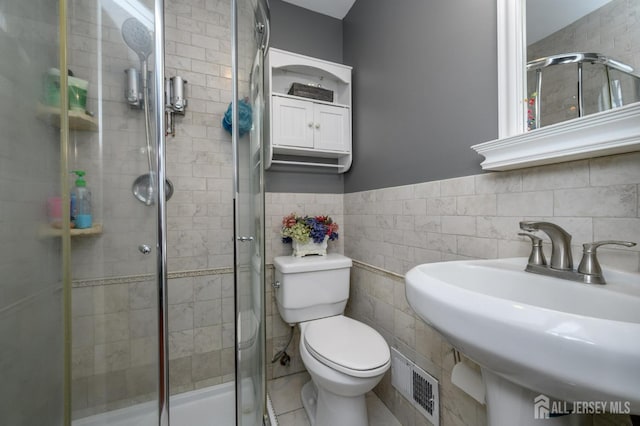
(144, 249)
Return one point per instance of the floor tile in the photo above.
(285, 392)
(294, 418)
(285, 396)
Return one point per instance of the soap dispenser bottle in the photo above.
(82, 195)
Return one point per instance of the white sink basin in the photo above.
(568, 340)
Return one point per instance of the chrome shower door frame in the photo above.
(162, 273)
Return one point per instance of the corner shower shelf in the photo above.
(78, 120)
(48, 231)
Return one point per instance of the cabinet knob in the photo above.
(317, 125)
(310, 124)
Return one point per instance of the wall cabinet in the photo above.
(303, 131)
(305, 124)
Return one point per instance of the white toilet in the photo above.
(344, 357)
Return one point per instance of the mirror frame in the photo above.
(609, 132)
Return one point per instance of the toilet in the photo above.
(344, 357)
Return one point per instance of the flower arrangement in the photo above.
(303, 229)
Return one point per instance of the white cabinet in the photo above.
(305, 124)
(303, 131)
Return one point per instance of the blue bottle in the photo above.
(82, 195)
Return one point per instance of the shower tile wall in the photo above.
(393, 229)
(114, 294)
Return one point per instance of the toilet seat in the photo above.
(347, 345)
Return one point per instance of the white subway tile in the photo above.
(441, 206)
(504, 228)
(476, 205)
(498, 182)
(573, 174)
(539, 203)
(458, 186)
(459, 225)
(615, 170)
(609, 201)
(481, 248)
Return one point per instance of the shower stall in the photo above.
(154, 314)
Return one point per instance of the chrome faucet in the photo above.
(561, 265)
(560, 243)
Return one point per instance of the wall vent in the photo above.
(416, 385)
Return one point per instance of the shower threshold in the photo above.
(193, 408)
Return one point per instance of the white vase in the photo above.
(305, 249)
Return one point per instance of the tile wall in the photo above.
(476, 217)
(388, 231)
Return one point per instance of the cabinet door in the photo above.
(332, 127)
(292, 122)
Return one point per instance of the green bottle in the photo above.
(82, 195)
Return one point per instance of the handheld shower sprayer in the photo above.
(139, 39)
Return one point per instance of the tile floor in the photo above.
(285, 396)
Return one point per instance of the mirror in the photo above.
(601, 132)
(579, 59)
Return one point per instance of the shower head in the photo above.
(137, 37)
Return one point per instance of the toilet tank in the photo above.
(311, 287)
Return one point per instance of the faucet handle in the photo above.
(536, 257)
(590, 266)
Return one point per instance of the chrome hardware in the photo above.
(144, 249)
(589, 270)
(276, 285)
(260, 27)
(560, 243)
(536, 257)
(317, 125)
(310, 124)
(589, 265)
(244, 239)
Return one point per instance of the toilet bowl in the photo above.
(344, 357)
(344, 365)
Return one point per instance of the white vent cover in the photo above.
(416, 385)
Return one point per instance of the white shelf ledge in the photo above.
(606, 133)
(305, 163)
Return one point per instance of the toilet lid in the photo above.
(347, 345)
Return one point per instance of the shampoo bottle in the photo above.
(82, 195)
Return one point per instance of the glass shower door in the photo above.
(115, 292)
(252, 30)
(31, 255)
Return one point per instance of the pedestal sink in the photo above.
(537, 336)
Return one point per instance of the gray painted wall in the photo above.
(425, 89)
(302, 31)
